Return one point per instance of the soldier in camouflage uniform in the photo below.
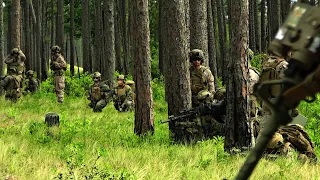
(202, 81)
(59, 66)
(99, 93)
(16, 60)
(11, 85)
(122, 97)
(289, 137)
(32, 84)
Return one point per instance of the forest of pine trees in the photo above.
(147, 39)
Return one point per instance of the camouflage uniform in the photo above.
(291, 136)
(202, 83)
(16, 60)
(58, 65)
(12, 84)
(32, 84)
(122, 97)
(99, 94)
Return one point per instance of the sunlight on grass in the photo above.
(102, 145)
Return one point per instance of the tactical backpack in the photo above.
(268, 73)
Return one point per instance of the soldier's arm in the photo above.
(22, 56)
(8, 60)
(61, 63)
(209, 80)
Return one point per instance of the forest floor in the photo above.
(103, 146)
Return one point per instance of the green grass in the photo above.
(103, 145)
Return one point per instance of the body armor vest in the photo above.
(198, 80)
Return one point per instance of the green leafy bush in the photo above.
(73, 85)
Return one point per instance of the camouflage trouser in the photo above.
(211, 127)
(189, 131)
(13, 95)
(126, 106)
(12, 98)
(59, 87)
(98, 106)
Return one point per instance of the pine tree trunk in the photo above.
(198, 28)
(26, 29)
(263, 27)
(1, 40)
(98, 38)
(85, 31)
(257, 27)
(222, 38)
(177, 74)
(38, 38)
(237, 134)
(72, 46)
(144, 117)
(273, 17)
(252, 26)
(44, 42)
(52, 23)
(161, 44)
(118, 40)
(109, 56)
(124, 36)
(60, 27)
(211, 44)
(16, 26)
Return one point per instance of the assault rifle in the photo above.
(215, 109)
(300, 35)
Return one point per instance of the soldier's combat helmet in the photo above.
(96, 75)
(121, 77)
(196, 54)
(29, 73)
(55, 49)
(15, 51)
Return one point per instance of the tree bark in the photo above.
(26, 30)
(60, 26)
(72, 46)
(273, 17)
(44, 42)
(109, 56)
(263, 27)
(38, 38)
(198, 28)
(85, 31)
(222, 38)
(125, 37)
(118, 40)
(237, 131)
(98, 38)
(1, 40)
(144, 117)
(257, 27)
(177, 74)
(211, 44)
(16, 26)
(252, 26)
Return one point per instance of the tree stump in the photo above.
(52, 119)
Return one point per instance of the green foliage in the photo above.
(257, 61)
(73, 85)
(158, 88)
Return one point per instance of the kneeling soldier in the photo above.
(99, 93)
